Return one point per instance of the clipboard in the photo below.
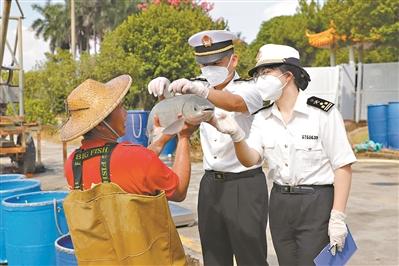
(341, 258)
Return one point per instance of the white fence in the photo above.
(353, 87)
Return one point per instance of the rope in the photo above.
(141, 126)
(56, 218)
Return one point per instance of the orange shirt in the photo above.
(134, 168)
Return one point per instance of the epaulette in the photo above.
(320, 103)
(243, 79)
(266, 105)
(198, 79)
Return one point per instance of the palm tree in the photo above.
(93, 19)
(54, 25)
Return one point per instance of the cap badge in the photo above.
(206, 41)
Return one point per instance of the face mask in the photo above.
(215, 75)
(270, 87)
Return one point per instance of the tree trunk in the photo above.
(360, 53)
(351, 55)
(332, 55)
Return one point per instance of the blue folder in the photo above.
(341, 258)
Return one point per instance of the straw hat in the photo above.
(90, 103)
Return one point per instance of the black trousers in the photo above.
(232, 218)
(299, 224)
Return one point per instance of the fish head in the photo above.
(197, 109)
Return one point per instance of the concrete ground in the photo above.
(373, 207)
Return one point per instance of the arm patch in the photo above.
(320, 103)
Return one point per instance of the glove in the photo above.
(184, 86)
(226, 124)
(158, 86)
(337, 230)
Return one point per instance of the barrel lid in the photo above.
(28, 184)
(33, 199)
(138, 112)
(376, 104)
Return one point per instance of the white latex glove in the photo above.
(184, 86)
(226, 124)
(337, 230)
(158, 86)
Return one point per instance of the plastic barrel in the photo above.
(169, 147)
(64, 252)
(32, 222)
(7, 189)
(136, 127)
(7, 177)
(393, 125)
(377, 123)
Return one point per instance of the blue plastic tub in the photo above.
(32, 223)
(7, 177)
(393, 125)
(170, 147)
(64, 252)
(377, 123)
(136, 127)
(7, 189)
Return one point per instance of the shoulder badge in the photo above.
(320, 103)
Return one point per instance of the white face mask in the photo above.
(270, 87)
(215, 75)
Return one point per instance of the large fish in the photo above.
(194, 110)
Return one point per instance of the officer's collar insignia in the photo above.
(266, 104)
(320, 103)
(207, 41)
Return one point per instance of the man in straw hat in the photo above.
(309, 158)
(117, 211)
(232, 200)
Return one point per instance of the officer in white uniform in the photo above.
(233, 199)
(309, 157)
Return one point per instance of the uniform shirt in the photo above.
(134, 168)
(218, 148)
(307, 149)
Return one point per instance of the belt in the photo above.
(227, 176)
(299, 189)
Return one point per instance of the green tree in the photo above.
(53, 81)
(93, 19)
(364, 20)
(366, 24)
(286, 30)
(153, 43)
(53, 25)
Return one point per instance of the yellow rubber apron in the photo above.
(109, 226)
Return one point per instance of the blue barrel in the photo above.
(7, 189)
(393, 125)
(7, 177)
(136, 127)
(64, 252)
(170, 147)
(377, 123)
(32, 222)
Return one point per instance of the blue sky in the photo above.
(243, 16)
